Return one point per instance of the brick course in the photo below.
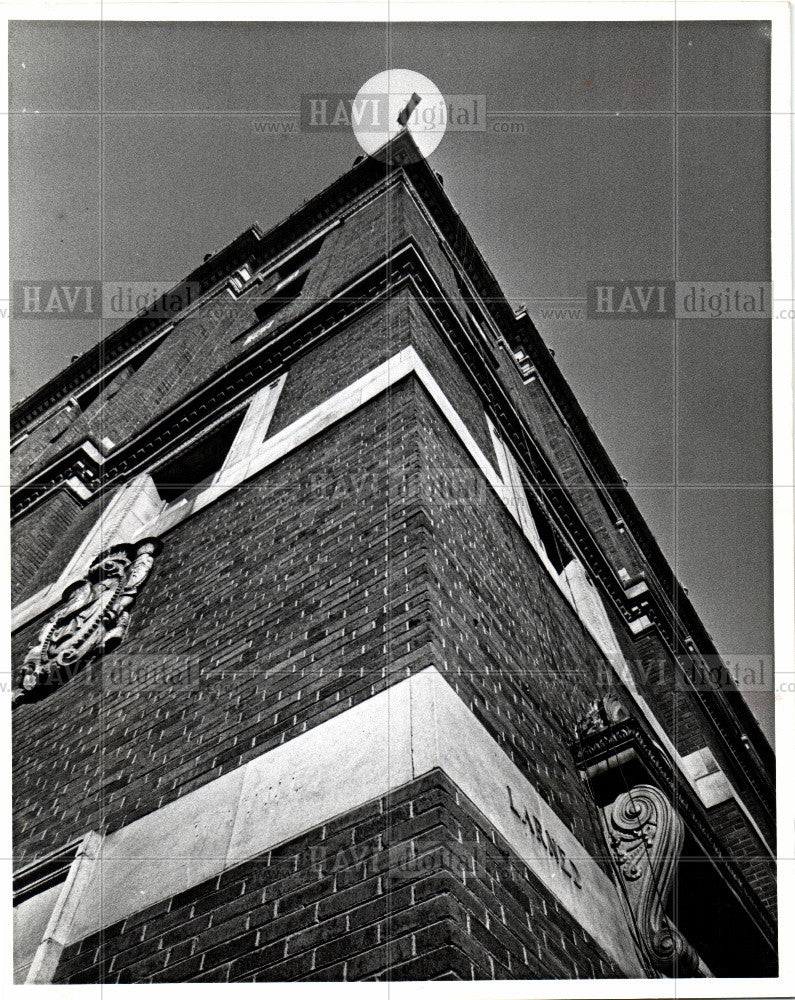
(274, 597)
(34, 539)
(333, 574)
(415, 885)
(328, 577)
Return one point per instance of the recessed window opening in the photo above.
(281, 297)
(476, 317)
(112, 382)
(85, 399)
(50, 870)
(474, 325)
(143, 356)
(558, 552)
(266, 311)
(176, 477)
(37, 888)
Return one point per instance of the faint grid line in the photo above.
(102, 706)
(675, 417)
(489, 114)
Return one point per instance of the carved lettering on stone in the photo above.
(551, 847)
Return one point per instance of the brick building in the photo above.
(341, 652)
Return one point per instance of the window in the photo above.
(513, 491)
(475, 315)
(139, 360)
(590, 608)
(112, 382)
(529, 510)
(198, 462)
(132, 511)
(556, 549)
(256, 422)
(46, 894)
(211, 461)
(37, 889)
(284, 285)
(282, 295)
(301, 257)
(90, 396)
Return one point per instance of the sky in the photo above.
(135, 150)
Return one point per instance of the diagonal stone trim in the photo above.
(396, 736)
(327, 413)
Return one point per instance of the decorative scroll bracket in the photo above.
(92, 619)
(646, 836)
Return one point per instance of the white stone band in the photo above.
(394, 737)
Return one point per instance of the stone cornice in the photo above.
(250, 247)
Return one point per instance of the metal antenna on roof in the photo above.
(405, 114)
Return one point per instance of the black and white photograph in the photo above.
(400, 490)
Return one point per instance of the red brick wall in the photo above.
(42, 442)
(337, 361)
(274, 598)
(206, 341)
(742, 842)
(35, 537)
(555, 440)
(363, 344)
(416, 885)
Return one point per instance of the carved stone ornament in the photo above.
(92, 618)
(601, 714)
(646, 837)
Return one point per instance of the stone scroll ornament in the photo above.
(646, 836)
(601, 714)
(92, 618)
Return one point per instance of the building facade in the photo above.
(341, 651)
